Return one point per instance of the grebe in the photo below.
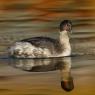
(44, 47)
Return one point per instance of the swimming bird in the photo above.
(44, 47)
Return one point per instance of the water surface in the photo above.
(55, 76)
(20, 19)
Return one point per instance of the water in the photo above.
(55, 76)
(58, 76)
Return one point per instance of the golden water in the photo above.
(21, 19)
(44, 76)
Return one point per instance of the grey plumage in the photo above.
(45, 42)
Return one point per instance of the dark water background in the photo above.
(21, 19)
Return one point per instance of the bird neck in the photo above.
(64, 42)
(64, 38)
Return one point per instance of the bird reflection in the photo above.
(44, 65)
(66, 78)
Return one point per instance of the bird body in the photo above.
(44, 47)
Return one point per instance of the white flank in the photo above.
(27, 50)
